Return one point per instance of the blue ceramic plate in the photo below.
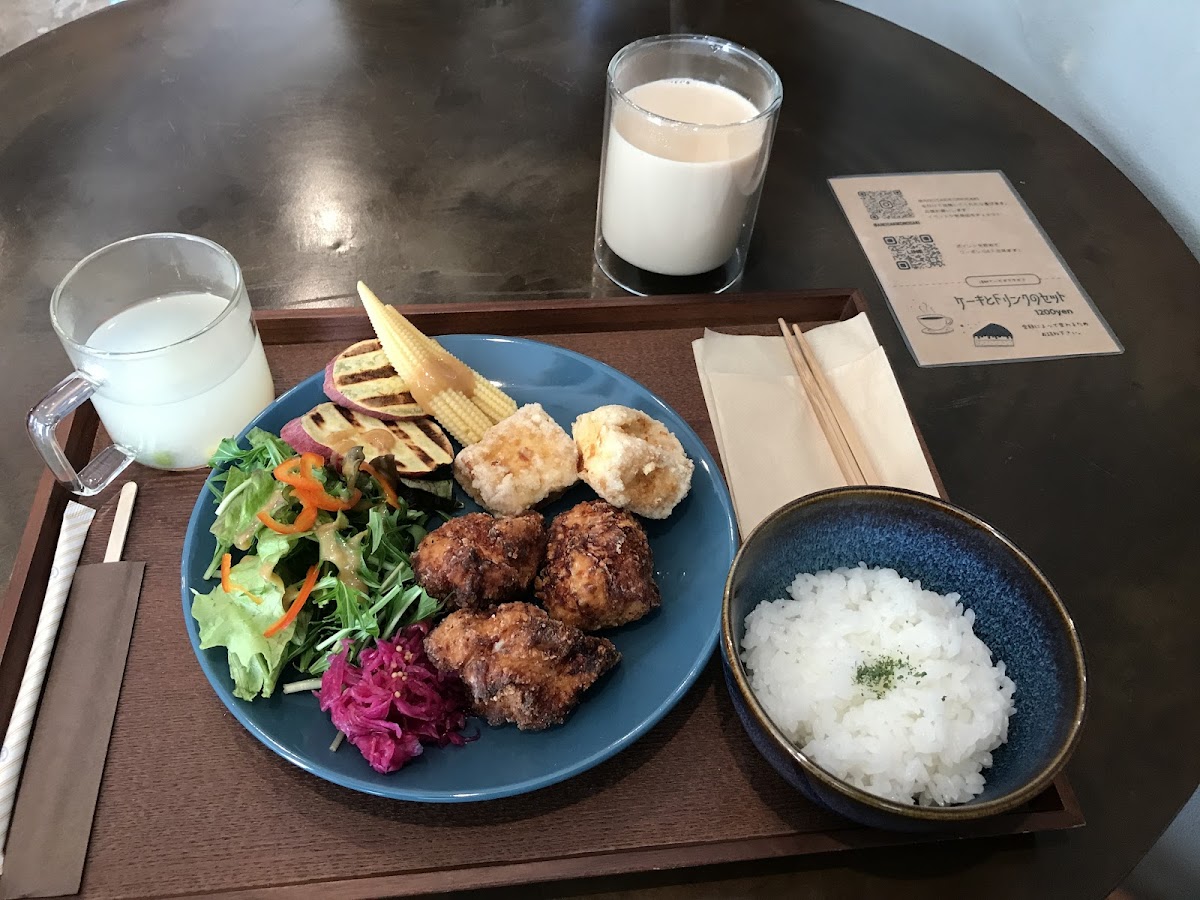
(661, 654)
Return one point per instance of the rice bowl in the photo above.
(1018, 614)
(881, 683)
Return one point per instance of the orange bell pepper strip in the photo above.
(294, 610)
(288, 471)
(226, 562)
(304, 522)
(297, 472)
(307, 461)
(389, 493)
(228, 585)
(326, 501)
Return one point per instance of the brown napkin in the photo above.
(52, 822)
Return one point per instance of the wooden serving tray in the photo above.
(191, 804)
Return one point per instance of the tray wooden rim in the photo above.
(18, 610)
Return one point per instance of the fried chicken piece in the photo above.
(518, 664)
(599, 570)
(476, 561)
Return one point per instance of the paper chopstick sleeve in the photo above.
(52, 822)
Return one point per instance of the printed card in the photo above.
(970, 275)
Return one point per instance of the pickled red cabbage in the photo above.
(394, 701)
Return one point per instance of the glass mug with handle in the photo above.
(160, 332)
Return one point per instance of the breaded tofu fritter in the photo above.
(476, 561)
(518, 664)
(520, 462)
(599, 570)
(632, 460)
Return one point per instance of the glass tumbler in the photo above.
(688, 125)
(160, 332)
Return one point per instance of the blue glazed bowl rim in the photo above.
(949, 814)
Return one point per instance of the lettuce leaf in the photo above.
(236, 521)
(237, 513)
(273, 546)
(237, 623)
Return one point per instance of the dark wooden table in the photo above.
(448, 151)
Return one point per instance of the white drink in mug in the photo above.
(675, 199)
(170, 412)
(160, 331)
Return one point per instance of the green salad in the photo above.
(312, 561)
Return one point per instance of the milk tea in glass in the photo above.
(689, 121)
(160, 332)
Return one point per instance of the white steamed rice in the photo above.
(927, 737)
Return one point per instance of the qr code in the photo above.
(886, 205)
(914, 251)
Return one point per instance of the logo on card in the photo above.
(993, 335)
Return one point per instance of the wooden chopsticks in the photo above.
(844, 439)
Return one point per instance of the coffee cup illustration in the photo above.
(932, 323)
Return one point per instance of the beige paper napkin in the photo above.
(771, 444)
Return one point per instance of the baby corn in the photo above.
(425, 367)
